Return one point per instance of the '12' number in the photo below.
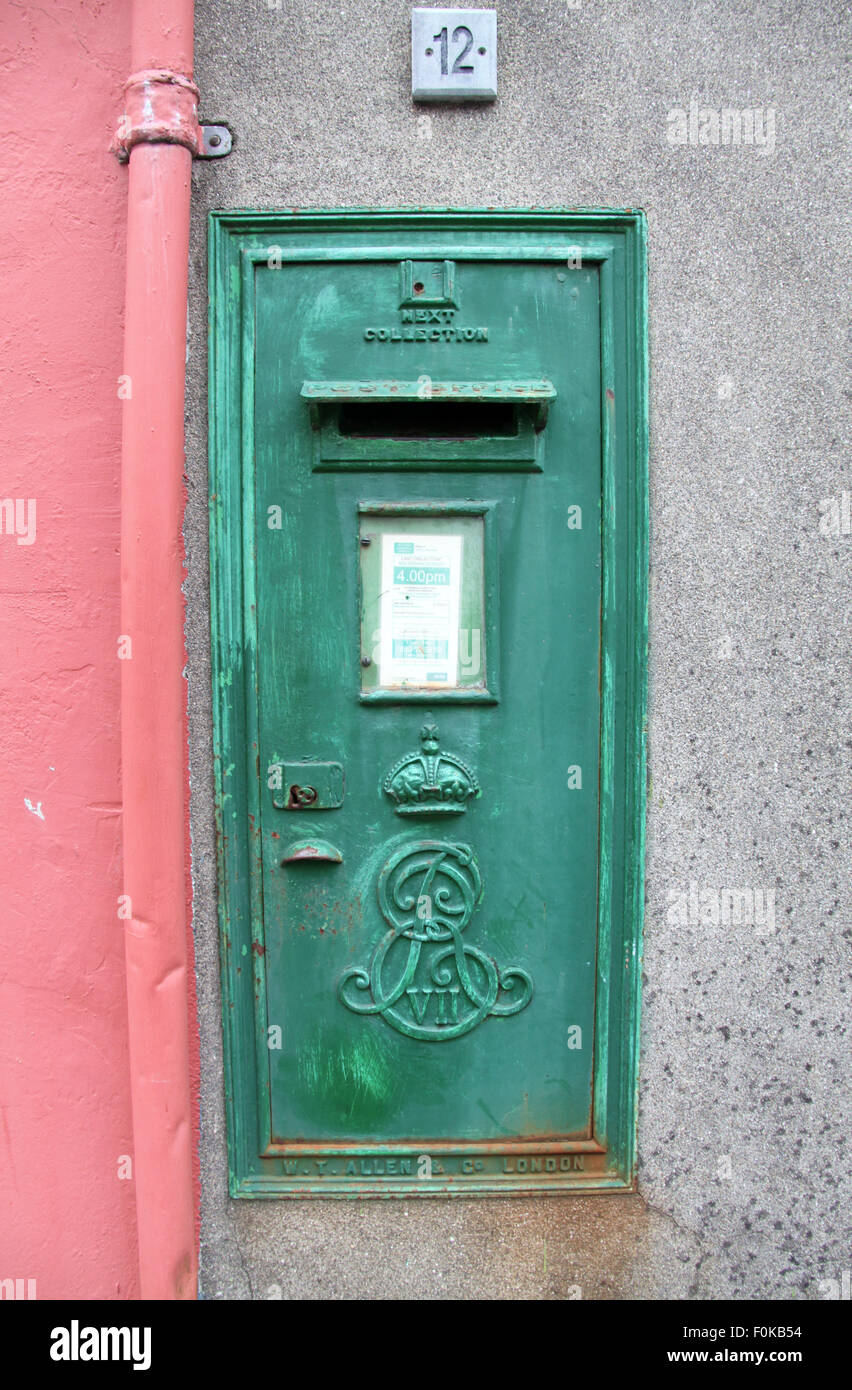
(443, 37)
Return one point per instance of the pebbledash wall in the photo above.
(745, 1183)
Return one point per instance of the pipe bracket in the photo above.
(161, 107)
(216, 141)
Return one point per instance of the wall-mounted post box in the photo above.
(428, 539)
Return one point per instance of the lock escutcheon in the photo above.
(306, 785)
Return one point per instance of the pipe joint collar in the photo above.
(160, 107)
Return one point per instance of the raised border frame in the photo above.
(616, 241)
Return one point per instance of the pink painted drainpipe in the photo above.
(159, 134)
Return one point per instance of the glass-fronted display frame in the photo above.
(476, 657)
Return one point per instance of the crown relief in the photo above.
(430, 781)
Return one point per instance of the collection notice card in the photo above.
(420, 602)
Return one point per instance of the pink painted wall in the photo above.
(66, 1219)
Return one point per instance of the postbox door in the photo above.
(424, 576)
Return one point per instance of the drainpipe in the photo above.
(158, 136)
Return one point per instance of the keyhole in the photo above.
(302, 796)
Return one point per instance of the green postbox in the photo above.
(428, 544)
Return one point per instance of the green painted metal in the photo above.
(411, 1008)
(429, 390)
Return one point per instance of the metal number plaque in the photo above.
(453, 55)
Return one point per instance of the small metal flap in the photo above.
(312, 851)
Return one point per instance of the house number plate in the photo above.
(453, 55)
